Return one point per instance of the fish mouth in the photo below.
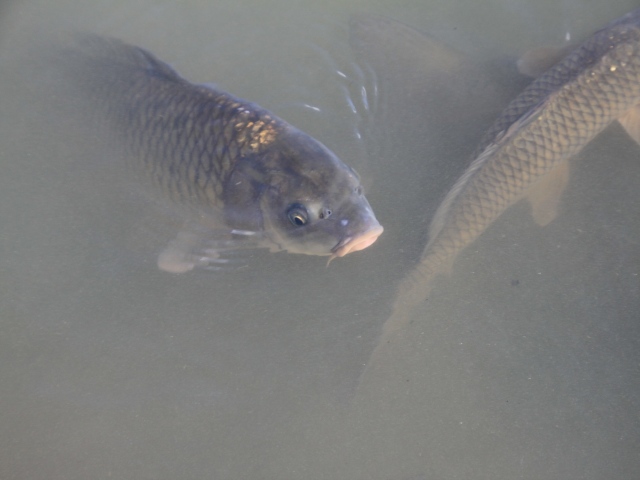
(355, 243)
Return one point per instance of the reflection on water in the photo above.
(524, 363)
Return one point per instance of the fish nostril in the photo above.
(324, 213)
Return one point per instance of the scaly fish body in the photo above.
(527, 148)
(229, 158)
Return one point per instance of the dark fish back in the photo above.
(573, 65)
(186, 138)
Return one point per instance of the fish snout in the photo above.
(359, 239)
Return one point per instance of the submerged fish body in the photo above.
(239, 168)
(524, 153)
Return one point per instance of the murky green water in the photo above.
(523, 364)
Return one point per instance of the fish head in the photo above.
(313, 203)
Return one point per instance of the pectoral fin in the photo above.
(177, 256)
(631, 123)
(544, 196)
(197, 247)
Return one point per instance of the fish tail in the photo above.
(412, 291)
(416, 286)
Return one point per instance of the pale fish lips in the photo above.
(358, 242)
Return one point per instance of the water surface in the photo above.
(523, 364)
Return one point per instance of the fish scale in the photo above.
(575, 107)
(179, 158)
(245, 173)
(549, 122)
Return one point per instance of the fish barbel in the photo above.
(240, 169)
(524, 153)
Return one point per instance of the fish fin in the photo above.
(544, 196)
(380, 38)
(631, 123)
(412, 291)
(207, 250)
(415, 70)
(538, 60)
(108, 66)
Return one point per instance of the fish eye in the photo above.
(359, 190)
(298, 215)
